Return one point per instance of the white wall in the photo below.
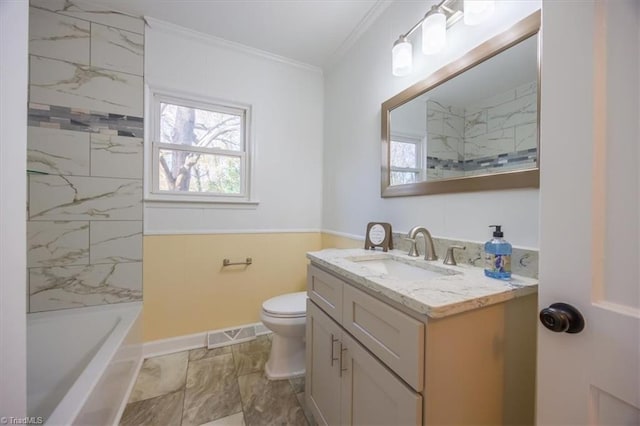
(14, 32)
(354, 91)
(286, 100)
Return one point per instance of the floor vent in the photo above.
(261, 329)
(231, 336)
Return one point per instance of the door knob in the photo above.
(562, 317)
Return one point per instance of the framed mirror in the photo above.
(472, 125)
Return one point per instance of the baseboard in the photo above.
(229, 336)
(174, 344)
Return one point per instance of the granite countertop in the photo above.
(453, 290)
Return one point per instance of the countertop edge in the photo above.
(417, 306)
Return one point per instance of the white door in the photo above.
(589, 216)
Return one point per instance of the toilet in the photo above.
(286, 316)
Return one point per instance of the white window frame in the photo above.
(419, 142)
(154, 96)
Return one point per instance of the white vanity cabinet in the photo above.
(371, 361)
(346, 385)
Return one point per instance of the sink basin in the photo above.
(401, 270)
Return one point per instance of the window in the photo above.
(200, 151)
(406, 160)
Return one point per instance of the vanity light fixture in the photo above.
(478, 11)
(434, 29)
(402, 57)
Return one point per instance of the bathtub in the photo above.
(81, 363)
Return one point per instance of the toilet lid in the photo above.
(288, 304)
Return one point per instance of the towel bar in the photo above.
(227, 262)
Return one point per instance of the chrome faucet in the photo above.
(430, 251)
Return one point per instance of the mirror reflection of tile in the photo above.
(497, 134)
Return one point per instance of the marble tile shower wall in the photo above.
(84, 155)
(445, 126)
(502, 127)
(497, 133)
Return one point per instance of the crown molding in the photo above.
(167, 27)
(364, 24)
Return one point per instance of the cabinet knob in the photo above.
(562, 317)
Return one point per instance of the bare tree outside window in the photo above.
(200, 150)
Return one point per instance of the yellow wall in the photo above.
(335, 241)
(187, 291)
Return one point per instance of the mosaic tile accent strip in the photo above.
(506, 161)
(524, 262)
(444, 164)
(61, 117)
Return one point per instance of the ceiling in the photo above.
(314, 32)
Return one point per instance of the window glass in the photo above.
(404, 154)
(199, 150)
(188, 171)
(199, 127)
(399, 178)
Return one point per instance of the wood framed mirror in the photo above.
(473, 125)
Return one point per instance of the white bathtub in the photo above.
(81, 363)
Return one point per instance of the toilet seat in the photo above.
(292, 305)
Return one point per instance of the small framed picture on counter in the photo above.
(378, 235)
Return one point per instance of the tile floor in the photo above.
(217, 387)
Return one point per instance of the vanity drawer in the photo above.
(326, 290)
(391, 335)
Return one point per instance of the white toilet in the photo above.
(286, 316)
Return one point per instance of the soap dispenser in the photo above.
(497, 255)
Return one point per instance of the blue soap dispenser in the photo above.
(497, 255)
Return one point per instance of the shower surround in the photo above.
(84, 156)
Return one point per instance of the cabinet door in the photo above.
(393, 336)
(322, 387)
(326, 290)
(371, 393)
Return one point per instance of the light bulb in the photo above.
(401, 57)
(478, 11)
(434, 32)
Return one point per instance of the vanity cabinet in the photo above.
(346, 385)
(371, 361)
